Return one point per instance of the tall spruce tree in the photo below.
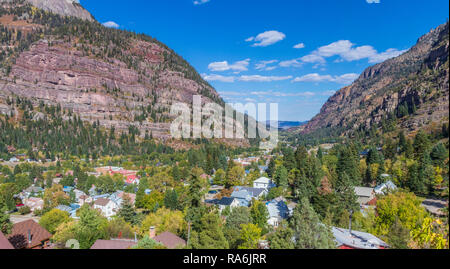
(309, 232)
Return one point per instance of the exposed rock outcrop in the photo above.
(417, 80)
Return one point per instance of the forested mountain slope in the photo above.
(407, 92)
(106, 76)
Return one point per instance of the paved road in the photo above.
(19, 218)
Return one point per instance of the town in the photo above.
(168, 204)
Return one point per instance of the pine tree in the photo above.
(171, 199)
(309, 232)
(126, 210)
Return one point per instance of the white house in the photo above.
(106, 206)
(34, 203)
(14, 160)
(385, 187)
(278, 211)
(263, 183)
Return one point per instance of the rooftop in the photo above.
(364, 191)
(357, 240)
(20, 234)
(170, 240)
(102, 201)
(113, 244)
(4, 243)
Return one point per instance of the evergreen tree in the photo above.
(210, 236)
(348, 163)
(260, 214)
(171, 199)
(281, 176)
(309, 232)
(282, 238)
(127, 211)
(232, 229)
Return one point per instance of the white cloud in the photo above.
(224, 66)
(110, 24)
(313, 58)
(200, 2)
(347, 51)
(281, 94)
(343, 79)
(252, 78)
(291, 63)
(299, 46)
(214, 77)
(328, 93)
(263, 65)
(388, 54)
(258, 78)
(266, 39)
(373, 1)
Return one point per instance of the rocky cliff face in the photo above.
(112, 77)
(62, 7)
(413, 87)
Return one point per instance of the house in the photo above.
(347, 239)
(246, 194)
(114, 244)
(118, 197)
(71, 210)
(278, 211)
(78, 193)
(13, 160)
(84, 199)
(132, 179)
(29, 235)
(32, 191)
(385, 187)
(4, 243)
(263, 168)
(68, 189)
(34, 203)
(169, 240)
(107, 207)
(224, 203)
(56, 181)
(365, 195)
(263, 183)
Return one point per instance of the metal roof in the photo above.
(356, 239)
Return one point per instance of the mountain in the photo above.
(409, 92)
(61, 7)
(284, 125)
(116, 79)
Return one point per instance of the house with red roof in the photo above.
(29, 235)
(4, 242)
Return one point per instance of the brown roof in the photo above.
(170, 240)
(4, 243)
(113, 244)
(102, 201)
(19, 234)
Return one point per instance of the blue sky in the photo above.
(293, 52)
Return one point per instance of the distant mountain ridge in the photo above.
(284, 125)
(413, 88)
